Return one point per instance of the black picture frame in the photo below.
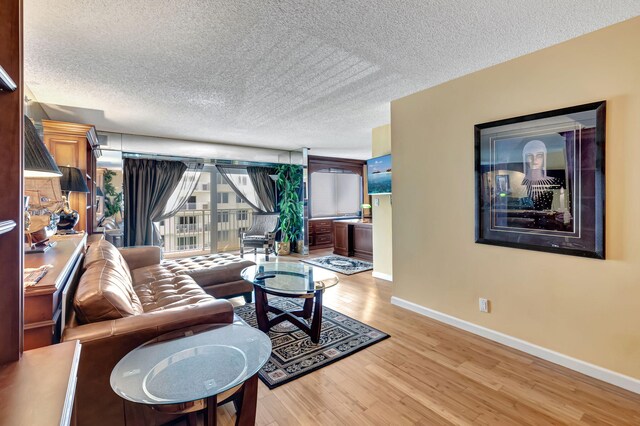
(540, 181)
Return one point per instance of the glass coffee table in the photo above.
(178, 372)
(292, 280)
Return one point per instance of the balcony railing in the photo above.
(190, 230)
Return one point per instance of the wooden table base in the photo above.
(312, 305)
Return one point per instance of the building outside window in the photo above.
(192, 227)
(223, 198)
(187, 243)
(223, 217)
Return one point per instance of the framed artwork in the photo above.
(540, 181)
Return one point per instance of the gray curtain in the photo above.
(230, 175)
(148, 185)
(182, 192)
(264, 186)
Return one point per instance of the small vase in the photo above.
(283, 248)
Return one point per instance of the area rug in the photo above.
(341, 264)
(294, 355)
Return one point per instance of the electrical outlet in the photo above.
(376, 202)
(483, 304)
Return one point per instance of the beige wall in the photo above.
(588, 309)
(382, 246)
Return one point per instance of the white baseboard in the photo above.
(386, 277)
(600, 373)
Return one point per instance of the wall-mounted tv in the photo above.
(379, 175)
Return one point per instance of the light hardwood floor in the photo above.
(431, 373)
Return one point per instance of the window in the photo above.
(223, 198)
(223, 235)
(205, 186)
(241, 215)
(186, 224)
(242, 180)
(223, 217)
(219, 179)
(239, 200)
(335, 194)
(187, 243)
(205, 206)
(191, 203)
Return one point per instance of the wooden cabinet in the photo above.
(353, 238)
(320, 233)
(342, 238)
(43, 302)
(75, 145)
(363, 241)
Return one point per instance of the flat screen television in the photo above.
(379, 175)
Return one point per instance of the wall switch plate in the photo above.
(483, 305)
(376, 202)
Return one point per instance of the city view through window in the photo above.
(206, 226)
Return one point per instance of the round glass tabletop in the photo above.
(191, 365)
(294, 278)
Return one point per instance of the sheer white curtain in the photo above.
(181, 194)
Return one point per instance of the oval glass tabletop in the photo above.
(289, 277)
(191, 365)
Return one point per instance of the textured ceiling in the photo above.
(287, 73)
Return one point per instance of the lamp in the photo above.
(37, 160)
(72, 180)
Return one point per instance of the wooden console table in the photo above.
(43, 320)
(38, 389)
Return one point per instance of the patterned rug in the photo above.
(344, 265)
(294, 355)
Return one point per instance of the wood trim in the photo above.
(11, 174)
(65, 129)
(317, 163)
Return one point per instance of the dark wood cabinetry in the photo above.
(343, 238)
(363, 241)
(320, 233)
(43, 302)
(353, 238)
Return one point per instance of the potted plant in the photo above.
(112, 198)
(289, 183)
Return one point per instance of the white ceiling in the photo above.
(287, 73)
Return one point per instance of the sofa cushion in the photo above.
(104, 293)
(157, 289)
(211, 269)
(104, 250)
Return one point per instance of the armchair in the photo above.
(261, 235)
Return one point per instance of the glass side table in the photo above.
(184, 371)
(292, 280)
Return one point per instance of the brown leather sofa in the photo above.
(124, 298)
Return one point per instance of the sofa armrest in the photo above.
(139, 257)
(140, 328)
